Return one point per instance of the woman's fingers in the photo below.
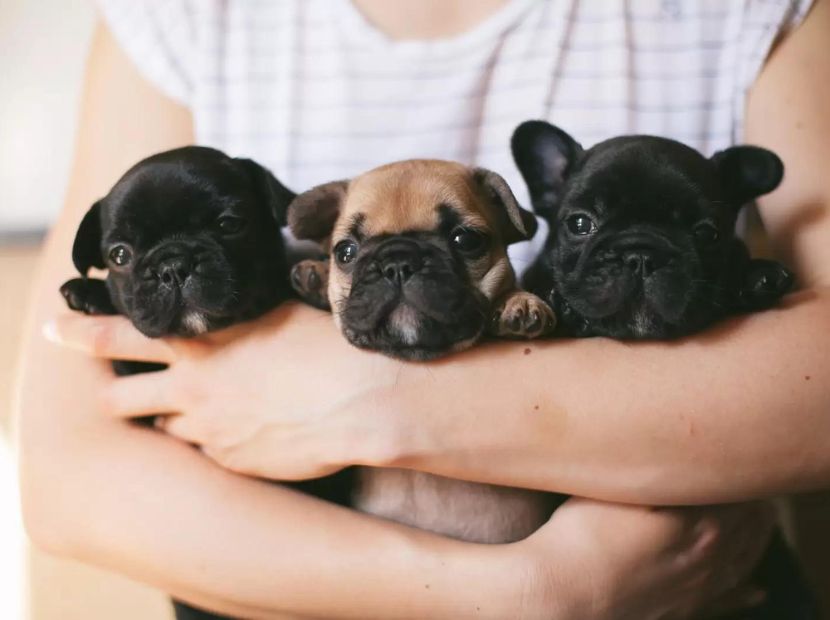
(666, 562)
(112, 337)
(180, 427)
(140, 395)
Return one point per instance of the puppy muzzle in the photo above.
(412, 299)
(182, 287)
(637, 274)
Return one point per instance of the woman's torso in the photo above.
(313, 91)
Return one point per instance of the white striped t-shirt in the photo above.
(315, 92)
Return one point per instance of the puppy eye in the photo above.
(120, 255)
(581, 224)
(345, 251)
(230, 224)
(706, 233)
(468, 240)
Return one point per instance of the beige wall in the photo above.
(34, 586)
(43, 44)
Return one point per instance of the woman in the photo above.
(321, 90)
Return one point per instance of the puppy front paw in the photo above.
(764, 284)
(88, 295)
(310, 279)
(522, 315)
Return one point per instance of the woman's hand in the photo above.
(291, 422)
(632, 563)
(262, 398)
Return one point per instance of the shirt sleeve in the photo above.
(160, 38)
(764, 23)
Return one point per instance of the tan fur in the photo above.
(404, 197)
(470, 511)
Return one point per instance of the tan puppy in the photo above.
(419, 253)
(418, 269)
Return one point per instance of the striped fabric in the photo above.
(315, 92)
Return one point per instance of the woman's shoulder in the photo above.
(171, 41)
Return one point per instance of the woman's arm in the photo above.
(148, 506)
(741, 411)
(737, 412)
(141, 503)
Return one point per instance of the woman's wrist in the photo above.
(398, 428)
(500, 581)
(423, 418)
(543, 586)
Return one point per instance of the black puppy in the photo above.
(642, 245)
(642, 241)
(191, 242)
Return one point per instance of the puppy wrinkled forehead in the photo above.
(168, 199)
(409, 196)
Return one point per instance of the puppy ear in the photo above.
(520, 224)
(746, 172)
(276, 195)
(545, 156)
(312, 214)
(86, 249)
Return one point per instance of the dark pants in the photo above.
(186, 612)
(781, 577)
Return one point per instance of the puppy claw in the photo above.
(309, 279)
(523, 315)
(89, 296)
(535, 322)
(765, 283)
(495, 322)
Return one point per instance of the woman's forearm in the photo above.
(151, 508)
(148, 506)
(738, 412)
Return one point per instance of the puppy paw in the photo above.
(765, 283)
(87, 295)
(310, 279)
(523, 315)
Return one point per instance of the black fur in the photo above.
(186, 274)
(662, 259)
(167, 211)
(648, 271)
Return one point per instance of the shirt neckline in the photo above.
(360, 30)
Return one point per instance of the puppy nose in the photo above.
(399, 261)
(399, 270)
(640, 262)
(174, 270)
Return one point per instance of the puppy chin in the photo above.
(202, 304)
(405, 324)
(194, 323)
(175, 314)
(627, 307)
(408, 334)
(187, 324)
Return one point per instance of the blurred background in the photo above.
(43, 46)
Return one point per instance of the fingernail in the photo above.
(50, 331)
